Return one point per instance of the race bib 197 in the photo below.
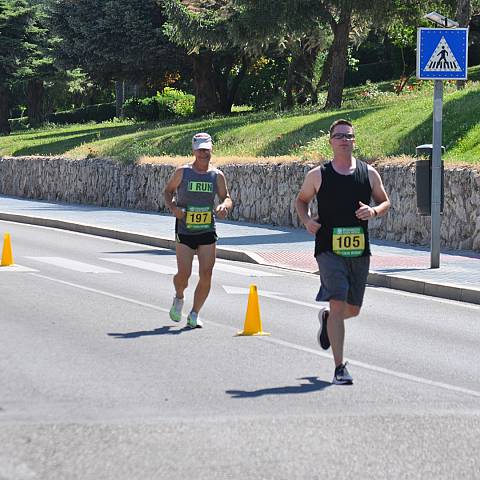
(198, 218)
(348, 241)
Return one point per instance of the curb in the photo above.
(447, 291)
(223, 253)
(440, 290)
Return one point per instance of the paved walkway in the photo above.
(393, 265)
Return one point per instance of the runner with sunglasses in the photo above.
(190, 195)
(343, 188)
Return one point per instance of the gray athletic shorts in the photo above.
(342, 278)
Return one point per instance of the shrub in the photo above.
(18, 124)
(96, 113)
(141, 109)
(170, 103)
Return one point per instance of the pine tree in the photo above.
(14, 20)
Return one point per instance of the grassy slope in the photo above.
(386, 125)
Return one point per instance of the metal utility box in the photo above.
(423, 180)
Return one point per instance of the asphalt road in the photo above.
(97, 382)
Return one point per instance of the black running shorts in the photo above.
(193, 241)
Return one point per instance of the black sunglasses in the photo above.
(339, 136)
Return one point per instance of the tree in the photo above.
(309, 18)
(463, 15)
(38, 66)
(203, 29)
(119, 40)
(285, 29)
(14, 20)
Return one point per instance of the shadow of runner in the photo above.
(315, 385)
(157, 331)
(142, 252)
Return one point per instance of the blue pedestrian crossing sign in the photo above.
(442, 53)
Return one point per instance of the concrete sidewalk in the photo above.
(394, 265)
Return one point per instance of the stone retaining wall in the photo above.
(262, 193)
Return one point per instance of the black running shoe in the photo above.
(322, 335)
(342, 377)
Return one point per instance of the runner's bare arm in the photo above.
(309, 189)
(222, 191)
(379, 195)
(169, 193)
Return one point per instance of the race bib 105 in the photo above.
(348, 241)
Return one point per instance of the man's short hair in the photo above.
(340, 121)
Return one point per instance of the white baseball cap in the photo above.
(202, 140)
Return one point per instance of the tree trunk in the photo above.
(289, 86)
(4, 111)
(305, 63)
(222, 66)
(463, 16)
(119, 97)
(327, 68)
(341, 31)
(35, 95)
(204, 82)
(228, 101)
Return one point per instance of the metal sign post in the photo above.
(436, 174)
(441, 55)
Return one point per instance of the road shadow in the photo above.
(400, 269)
(314, 385)
(142, 252)
(287, 238)
(168, 330)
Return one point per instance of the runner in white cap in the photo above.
(190, 195)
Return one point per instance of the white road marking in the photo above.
(166, 270)
(72, 265)
(374, 368)
(247, 272)
(150, 266)
(265, 293)
(102, 292)
(17, 268)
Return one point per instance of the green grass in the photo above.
(386, 125)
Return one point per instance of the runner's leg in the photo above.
(351, 311)
(206, 261)
(184, 264)
(336, 329)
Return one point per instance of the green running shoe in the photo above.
(176, 309)
(193, 321)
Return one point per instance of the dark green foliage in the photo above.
(264, 83)
(170, 104)
(18, 124)
(113, 39)
(92, 113)
(141, 109)
(14, 20)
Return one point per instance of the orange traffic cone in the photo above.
(253, 323)
(7, 257)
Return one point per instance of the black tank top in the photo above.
(338, 199)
